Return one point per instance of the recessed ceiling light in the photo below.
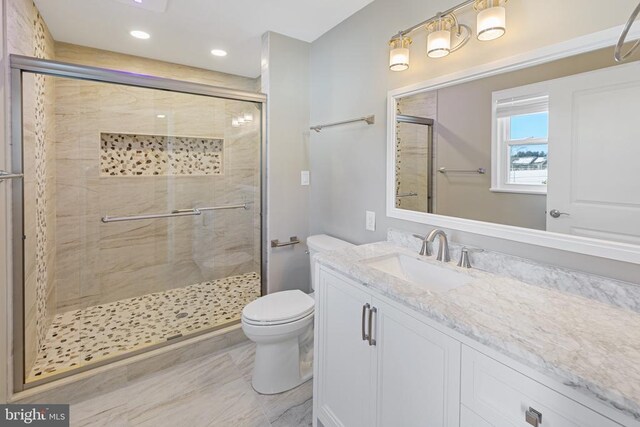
(140, 34)
(219, 52)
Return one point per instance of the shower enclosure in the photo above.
(414, 152)
(137, 213)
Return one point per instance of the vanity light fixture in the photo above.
(441, 32)
(492, 18)
(399, 53)
(446, 35)
(140, 34)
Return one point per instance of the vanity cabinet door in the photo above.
(418, 372)
(506, 398)
(345, 385)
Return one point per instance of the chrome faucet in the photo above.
(443, 247)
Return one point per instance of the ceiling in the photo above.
(185, 31)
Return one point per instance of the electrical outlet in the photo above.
(304, 178)
(371, 221)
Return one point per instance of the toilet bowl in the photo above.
(281, 325)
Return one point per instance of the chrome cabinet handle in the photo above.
(365, 307)
(533, 417)
(555, 213)
(372, 311)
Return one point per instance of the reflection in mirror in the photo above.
(546, 147)
(414, 152)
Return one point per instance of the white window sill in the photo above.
(539, 192)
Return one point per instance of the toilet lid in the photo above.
(279, 306)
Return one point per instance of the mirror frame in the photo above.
(589, 246)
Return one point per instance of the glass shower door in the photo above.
(142, 219)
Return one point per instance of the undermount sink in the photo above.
(424, 274)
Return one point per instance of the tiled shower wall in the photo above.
(412, 151)
(28, 35)
(100, 263)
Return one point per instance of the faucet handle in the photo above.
(464, 256)
(425, 250)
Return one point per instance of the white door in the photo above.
(418, 372)
(594, 154)
(344, 360)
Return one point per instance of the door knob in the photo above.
(555, 213)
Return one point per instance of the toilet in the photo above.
(281, 325)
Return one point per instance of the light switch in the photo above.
(371, 221)
(304, 178)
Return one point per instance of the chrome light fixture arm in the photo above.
(465, 38)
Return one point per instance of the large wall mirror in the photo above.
(548, 150)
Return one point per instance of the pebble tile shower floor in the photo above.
(80, 337)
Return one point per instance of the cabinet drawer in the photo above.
(502, 395)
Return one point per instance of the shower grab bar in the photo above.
(175, 213)
(6, 175)
(221, 208)
(410, 194)
(480, 171)
(368, 119)
(293, 240)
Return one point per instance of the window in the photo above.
(520, 142)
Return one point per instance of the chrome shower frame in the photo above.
(19, 65)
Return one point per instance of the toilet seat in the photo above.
(278, 308)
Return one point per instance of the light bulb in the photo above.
(491, 23)
(218, 52)
(248, 117)
(439, 43)
(140, 34)
(234, 123)
(399, 53)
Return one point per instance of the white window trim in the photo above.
(499, 141)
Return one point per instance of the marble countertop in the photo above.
(586, 344)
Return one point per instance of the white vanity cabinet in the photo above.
(501, 396)
(378, 366)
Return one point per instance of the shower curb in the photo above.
(85, 385)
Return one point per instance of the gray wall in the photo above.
(463, 140)
(350, 78)
(285, 80)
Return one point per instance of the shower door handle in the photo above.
(6, 175)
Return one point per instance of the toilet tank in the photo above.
(322, 243)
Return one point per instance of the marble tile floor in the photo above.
(81, 337)
(214, 390)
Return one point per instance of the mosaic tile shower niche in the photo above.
(149, 155)
(98, 290)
